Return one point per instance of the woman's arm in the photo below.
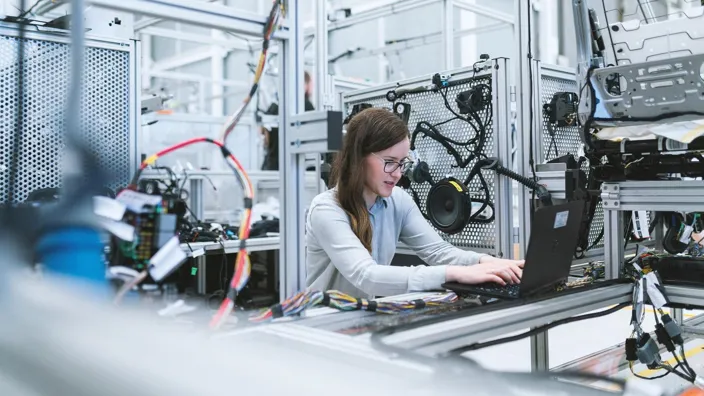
(330, 226)
(418, 235)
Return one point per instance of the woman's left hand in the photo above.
(513, 269)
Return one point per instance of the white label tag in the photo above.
(136, 201)
(166, 260)
(109, 208)
(197, 253)
(686, 234)
(561, 219)
(656, 297)
(640, 224)
(121, 230)
(638, 304)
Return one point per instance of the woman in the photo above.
(352, 230)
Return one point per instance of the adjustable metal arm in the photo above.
(493, 164)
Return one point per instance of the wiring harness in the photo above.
(344, 302)
(242, 262)
(470, 104)
(277, 11)
(640, 345)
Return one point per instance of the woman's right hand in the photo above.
(475, 274)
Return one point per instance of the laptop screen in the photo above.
(553, 240)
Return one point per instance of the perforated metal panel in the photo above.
(105, 111)
(430, 107)
(566, 139)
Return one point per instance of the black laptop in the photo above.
(553, 240)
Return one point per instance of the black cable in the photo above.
(553, 142)
(446, 121)
(19, 122)
(23, 13)
(531, 158)
(597, 239)
(677, 373)
(649, 378)
(686, 363)
(537, 330)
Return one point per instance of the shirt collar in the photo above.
(380, 202)
(378, 205)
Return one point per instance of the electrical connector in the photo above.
(663, 337)
(673, 329)
(648, 352)
(631, 349)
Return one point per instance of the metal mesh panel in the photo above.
(105, 111)
(567, 141)
(430, 107)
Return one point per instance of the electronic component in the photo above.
(648, 352)
(562, 109)
(448, 205)
(153, 228)
(673, 330)
(151, 104)
(474, 100)
(631, 348)
(681, 269)
(403, 111)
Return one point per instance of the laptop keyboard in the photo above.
(509, 290)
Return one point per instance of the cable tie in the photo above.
(232, 294)
(253, 91)
(326, 299)
(248, 203)
(225, 152)
(277, 311)
(371, 307)
(360, 303)
(419, 304)
(243, 244)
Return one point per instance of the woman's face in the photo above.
(384, 168)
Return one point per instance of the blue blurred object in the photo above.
(75, 252)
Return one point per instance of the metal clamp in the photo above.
(315, 132)
(610, 195)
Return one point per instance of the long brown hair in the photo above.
(370, 131)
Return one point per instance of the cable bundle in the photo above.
(277, 10)
(344, 302)
(298, 303)
(242, 263)
(641, 346)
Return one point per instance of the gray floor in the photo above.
(576, 340)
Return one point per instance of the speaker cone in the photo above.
(448, 206)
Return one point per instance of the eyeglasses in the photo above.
(390, 166)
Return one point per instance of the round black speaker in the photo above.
(449, 206)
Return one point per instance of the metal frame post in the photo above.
(502, 146)
(135, 84)
(613, 243)
(448, 33)
(528, 99)
(321, 55)
(525, 82)
(292, 170)
(539, 352)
